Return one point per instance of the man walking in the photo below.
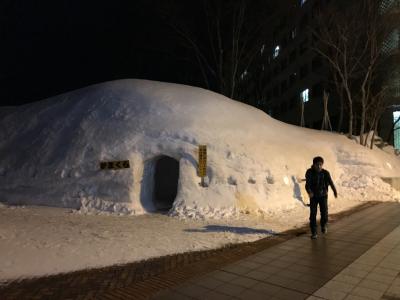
(317, 182)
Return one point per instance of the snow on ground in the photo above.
(36, 241)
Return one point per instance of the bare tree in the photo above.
(350, 40)
(334, 30)
(230, 40)
(374, 114)
(340, 93)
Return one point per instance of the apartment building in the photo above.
(392, 114)
(297, 76)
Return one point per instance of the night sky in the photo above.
(49, 47)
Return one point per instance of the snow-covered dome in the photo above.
(50, 153)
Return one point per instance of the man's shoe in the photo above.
(324, 230)
(314, 236)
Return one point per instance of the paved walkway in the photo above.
(374, 275)
(358, 259)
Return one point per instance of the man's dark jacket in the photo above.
(318, 182)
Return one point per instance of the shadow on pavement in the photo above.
(237, 230)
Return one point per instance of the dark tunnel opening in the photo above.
(166, 178)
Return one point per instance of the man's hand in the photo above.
(310, 194)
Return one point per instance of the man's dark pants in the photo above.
(322, 201)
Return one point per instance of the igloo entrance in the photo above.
(165, 188)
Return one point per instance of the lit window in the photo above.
(262, 49)
(396, 115)
(244, 74)
(396, 135)
(302, 2)
(304, 95)
(276, 51)
(293, 33)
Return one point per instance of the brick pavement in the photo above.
(374, 275)
(301, 268)
(142, 279)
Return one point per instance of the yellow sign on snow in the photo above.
(202, 167)
(114, 165)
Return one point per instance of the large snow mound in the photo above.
(50, 153)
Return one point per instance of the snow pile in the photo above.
(50, 153)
